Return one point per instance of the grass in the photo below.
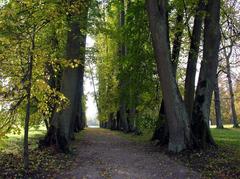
(142, 138)
(12, 143)
(228, 137)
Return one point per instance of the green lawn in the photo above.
(228, 137)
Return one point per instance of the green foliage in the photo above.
(24, 24)
(137, 68)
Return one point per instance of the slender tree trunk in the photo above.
(229, 77)
(207, 77)
(94, 86)
(179, 133)
(217, 101)
(192, 59)
(28, 106)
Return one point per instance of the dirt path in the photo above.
(104, 154)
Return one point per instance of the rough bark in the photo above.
(207, 77)
(179, 133)
(161, 129)
(217, 101)
(192, 59)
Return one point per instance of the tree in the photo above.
(192, 58)
(179, 131)
(69, 119)
(207, 76)
(230, 86)
(217, 101)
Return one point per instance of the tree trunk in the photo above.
(122, 82)
(217, 101)
(161, 129)
(207, 77)
(28, 106)
(229, 77)
(192, 59)
(63, 124)
(179, 133)
(177, 42)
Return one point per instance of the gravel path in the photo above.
(103, 154)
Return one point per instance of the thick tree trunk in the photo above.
(179, 133)
(63, 124)
(192, 59)
(232, 100)
(217, 101)
(161, 129)
(207, 77)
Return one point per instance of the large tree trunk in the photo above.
(179, 133)
(192, 59)
(207, 77)
(161, 129)
(217, 101)
(229, 77)
(63, 124)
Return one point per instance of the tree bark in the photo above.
(179, 133)
(161, 129)
(217, 101)
(232, 98)
(207, 77)
(66, 121)
(192, 59)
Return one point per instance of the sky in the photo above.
(91, 112)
